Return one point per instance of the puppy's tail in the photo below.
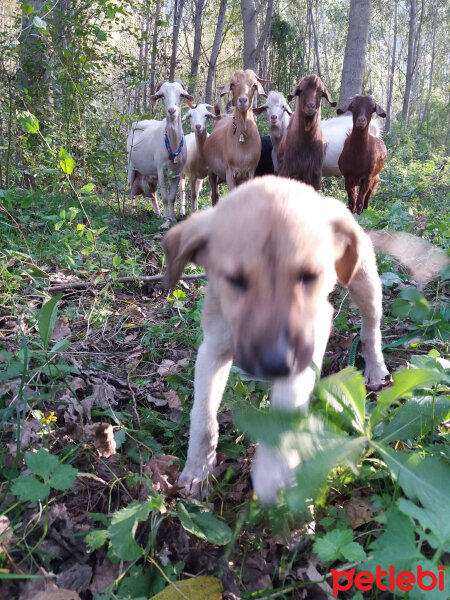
(422, 260)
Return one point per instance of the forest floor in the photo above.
(103, 380)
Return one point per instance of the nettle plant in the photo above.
(398, 436)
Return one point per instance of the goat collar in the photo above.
(173, 155)
(242, 136)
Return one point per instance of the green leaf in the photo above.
(405, 381)
(400, 308)
(123, 528)
(396, 546)
(319, 455)
(202, 587)
(412, 294)
(95, 539)
(422, 478)
(39, 23)
(63, 477)
(328, 548)
(29, 488)
(347, 389)
(353, 552)
(435, 522)
(27, 8)
(204, 525)
(87, 188)
(47, 319)
(27, 121)
(116, 260)
(66, 162)
(267, 426)
(42, 463)
(414, 418)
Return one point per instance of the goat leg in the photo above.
(351, 192)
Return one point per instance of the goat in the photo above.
(335, 131)
(194, 167)
(233, 148)
(278, 114)
(302, 148)
(265, 164)
(363, 155)
(156, 148)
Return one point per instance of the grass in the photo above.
(123, 356)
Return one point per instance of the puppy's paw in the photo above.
(195, 482)
(377, 376)
(272, 471)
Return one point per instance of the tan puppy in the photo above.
(273, 250)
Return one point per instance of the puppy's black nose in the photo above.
(274, 362)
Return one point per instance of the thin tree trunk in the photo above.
(198, 13)
(413, 54)
(154, 48)
(215, 50)
(390, 86)
(355, 49)
(252, 48)
(316, 44)
(177, 16)
(433, 56)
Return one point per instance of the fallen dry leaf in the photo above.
(164, 472)
(203, 587)
(56, 595)
(61, 329)
(6, 533)
(359, 511)
(102, 435)
(172, 399)
(167, 367)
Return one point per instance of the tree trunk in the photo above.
(413, 50)
(198, 13)
(252, 47)
(32, 71)
(154, 48)
(390, 85)
(433, 56)
(355, 49)
(177, 16)
(215, 50)
(316, 44)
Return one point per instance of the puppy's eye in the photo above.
(239, 282)
(307, 278)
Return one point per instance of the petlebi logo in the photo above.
(388, 580)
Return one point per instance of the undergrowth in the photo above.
(96, 387)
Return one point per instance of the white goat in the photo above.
(278, 114)
(156, 149)
(336, 131)
(195, 168)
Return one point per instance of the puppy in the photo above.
(272, 250)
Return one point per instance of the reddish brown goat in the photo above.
(233, 148)
(302, 148)
(363, 155)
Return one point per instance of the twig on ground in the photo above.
(79, 285)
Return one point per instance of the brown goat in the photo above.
(233, 148)
(302, 149)
(363, 155)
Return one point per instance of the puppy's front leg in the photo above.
(366, 292)
(211, 373)
(274, 469)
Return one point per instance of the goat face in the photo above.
(310, 91)
(275, 106)
(172, 95)
(243, 86)
(198, 117)
(362, 108)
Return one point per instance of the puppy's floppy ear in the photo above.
(186, 242)
(347, 243)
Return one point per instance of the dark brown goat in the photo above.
(363, 155)
(302, 149)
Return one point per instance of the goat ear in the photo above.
(287, 108)
(187, 116)
(226, 88)
(209, 115)
(347, 106)
(260, 89)
(380, 111)
(259, 109)
(347, 236)
(189, 99)
(326, 94)
(295, 92)
(265, 81)
(184, 243)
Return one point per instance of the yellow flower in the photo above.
(46, 420)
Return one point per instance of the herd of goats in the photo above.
(300, 146)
